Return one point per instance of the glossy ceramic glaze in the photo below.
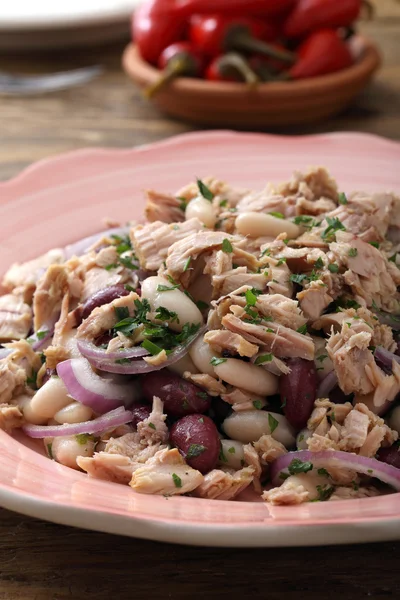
(60, 200)
(270, 104)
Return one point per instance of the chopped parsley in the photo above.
(202, 395)
(111, 266)
(177, 480)
(393, 258)
(298, 278)
(374, 244)
(187, 263)
(151, 347)
(251, 297)
(121, 312)
(333, 268)
(352, 252)
(215, 361)
(122, 361)
(50, 450)
(41, 334)
(319, 263)
(202, 305)
(324, 492)
(323, 472)
(257, 404)
(280, 262)
(342, 198)
(163, 314)
(32, 379)
(183, 203)
(305, 221)
(298, 466)
(226, 246)
(205, 190)
(195, 450)
(166, 288)
(322, 357)
(277, 215)
(223, 203)
(302, 329)
(333, 225)
(231, 450)
(301, 438)
(222, 456)
(273, 423)
(83, 438)
(263, 358)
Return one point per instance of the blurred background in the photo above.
(108, 108)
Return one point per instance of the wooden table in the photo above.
(43, 561)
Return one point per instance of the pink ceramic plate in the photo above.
(60, 200)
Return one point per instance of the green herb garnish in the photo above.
(205, 190)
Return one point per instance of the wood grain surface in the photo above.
(43, 561)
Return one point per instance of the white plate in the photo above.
(40, 24)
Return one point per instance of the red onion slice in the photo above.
(82, 246)
(327, 385)
(336, 458)
(385, 357)
(388, 319)
(41, 339)
(84, 385)
(110, 420)
(138, 367)
(91, 351)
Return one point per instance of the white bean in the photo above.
(201, 354)
(247, 376)
(50, 398)
(249, 425)
(173, 300)
(301, 439)
(25, 405)
(394, 419)
(66, 450)
(233, 454)
(256, 224)
(202, 209)
(309, 481)
(73, 413)
(184, 364)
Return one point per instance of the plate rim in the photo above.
(91, 17)
(244, 534)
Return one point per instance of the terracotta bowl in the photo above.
(271, 104)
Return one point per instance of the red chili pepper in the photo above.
(213, 35)
(231, 67)
(227, 7)
(177, 59)
(155, 26)
(310, 15)
(321, 53)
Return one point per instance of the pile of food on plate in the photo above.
(246, 40)
(235, 339)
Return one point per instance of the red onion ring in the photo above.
(327, 385)
(388, 319)
(385, 357)
(336, 458)
(82, 246)
(138, 367)
(91, 351)
(110, 420)
(88, 388)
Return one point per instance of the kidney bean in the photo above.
(298, 391)
(197, 439)
(140, 413)
(104, 296)
(180, 397)
(391, 455)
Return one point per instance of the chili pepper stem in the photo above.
(178, 66)
(233, 61)
(243, 41)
